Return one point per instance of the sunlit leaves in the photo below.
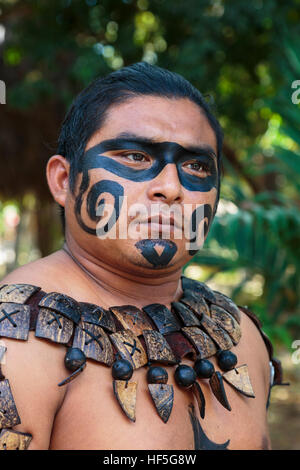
(12, 56)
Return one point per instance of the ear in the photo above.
(58, 178)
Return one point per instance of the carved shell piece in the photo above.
(14, 440)
(164, 319)
(132, 318)
(17, 293)
(240, 380)
(158, 348)
(129, 347)
(163, 397)
(217, 386)
(62, 304)
(198, 287)
(9, 416)
(225, 302)
(14, 320)
(201, 341)
(91, 313)
(216, 333)
(125, 393)
(195, 302)
(227, 322)
(187, 317)
(94, 342)
(53, 326)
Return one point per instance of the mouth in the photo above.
(162, 220)
(162, 226)
(159, 225)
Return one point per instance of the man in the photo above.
(143, 136)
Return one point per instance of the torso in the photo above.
(91, 418)
(88, 415)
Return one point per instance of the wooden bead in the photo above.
(226, 360)
(157, 375)
(185, 375)
(204, 368)
(122, 370)
(74, 359)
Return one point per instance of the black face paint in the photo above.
(162, 153)
(208, 214)
(147, 248)
(200, 438)
(104, 186)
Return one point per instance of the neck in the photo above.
(116, 287)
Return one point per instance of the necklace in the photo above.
(202, 324)
(211, 329)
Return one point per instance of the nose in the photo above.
(166, 187)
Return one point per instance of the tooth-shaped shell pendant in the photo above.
(240, 380)
(125, 393)
(163, 397)
(217, 386)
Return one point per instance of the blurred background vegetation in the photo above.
(245, 57)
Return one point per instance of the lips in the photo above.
(158, 220)
(162, 219)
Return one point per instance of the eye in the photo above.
(201, 168)
(136, 157)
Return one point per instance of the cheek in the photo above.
(199, 218)
(132, 191)
(103, 203)
(199, 197)
(95, 191)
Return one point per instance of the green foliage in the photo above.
(224, 48)
(262, 241)
(243, 55)
(262, 234)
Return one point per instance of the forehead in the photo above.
(160, 119)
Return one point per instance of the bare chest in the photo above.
(91, 418)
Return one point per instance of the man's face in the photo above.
(150, 155)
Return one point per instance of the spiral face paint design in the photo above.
(205, 213)
(148, 250)
(104, 186)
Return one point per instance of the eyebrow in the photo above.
(196, 149)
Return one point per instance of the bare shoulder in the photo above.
(33, 368)
(252, 350)
(47, 273)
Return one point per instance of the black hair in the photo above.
(89, 109)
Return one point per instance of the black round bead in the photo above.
(226, 360)
(185, 375)
(122, 370)
(204, 368)
(157, 375)
(74, 359)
